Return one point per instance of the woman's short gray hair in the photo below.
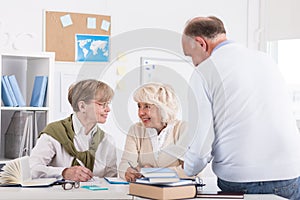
(86, 90)
(162, 96)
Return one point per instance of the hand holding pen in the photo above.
(132, 173)
(77, 173)
(81, 164)
(132, 167)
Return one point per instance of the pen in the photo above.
(132, 167)
(81, 164)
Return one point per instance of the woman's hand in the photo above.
(132, 174)
(77, 173)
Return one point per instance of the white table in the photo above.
(57, 192)
(114, 192)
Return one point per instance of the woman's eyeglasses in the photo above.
(68, 185)
(102, 104)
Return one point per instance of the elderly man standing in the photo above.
(245, 125)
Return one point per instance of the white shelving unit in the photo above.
(25, 66)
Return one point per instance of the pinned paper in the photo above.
(121, 57)
(66, 20)
(105, 25)
(121, 70)
(91, 23)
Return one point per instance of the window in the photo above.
(286, 53)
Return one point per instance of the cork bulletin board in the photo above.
(61, 28)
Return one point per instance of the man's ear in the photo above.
(201, 42)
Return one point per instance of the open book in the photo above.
(17, 172)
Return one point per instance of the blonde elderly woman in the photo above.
(158, 127)
(76, 148)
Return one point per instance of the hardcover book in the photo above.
(6, 98)
(39, 91)
(162, 191)
(16, 90)
(158, 175)
(158, 172)
(10, 90)
(158, 180)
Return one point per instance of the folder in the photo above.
(16, 90)
(7, 101)
(10, 91)
(39, 91)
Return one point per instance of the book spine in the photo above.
(16, 90)
(6, 98)
(10, 90)
(44, 90)
(39, 91)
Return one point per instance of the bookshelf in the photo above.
(25, 66)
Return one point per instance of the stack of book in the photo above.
(10, 92)
(162, 183)
(158, 175)
(12, 96)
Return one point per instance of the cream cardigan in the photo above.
(139, 151)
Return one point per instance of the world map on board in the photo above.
(92, 48)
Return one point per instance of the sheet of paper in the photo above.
(121, 70)
(105, 25)
(66, 20)
(91, 23)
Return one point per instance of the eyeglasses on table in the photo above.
(68, 185)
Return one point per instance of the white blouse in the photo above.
(48, 158)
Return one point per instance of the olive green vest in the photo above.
(63, 132)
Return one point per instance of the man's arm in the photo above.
(201, 127)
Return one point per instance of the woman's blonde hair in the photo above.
(86, 90)
(162, 96)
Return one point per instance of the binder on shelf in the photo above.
(39, 122)
(6, 98)
(38, 97)
(19, 135)
(16, 90)
(10, 90)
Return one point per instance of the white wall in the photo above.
(152, 24)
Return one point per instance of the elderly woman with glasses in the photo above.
(76, 148)
(158, 127)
